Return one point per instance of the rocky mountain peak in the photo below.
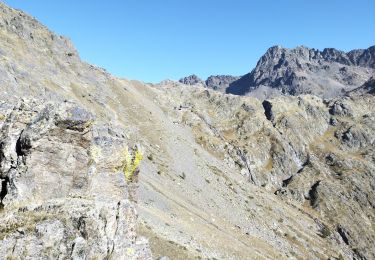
(192, 80)
(273, 51)
(363, 58)
(302, 70)
(333, 55)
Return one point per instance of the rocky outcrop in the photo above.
(328, 73)
(363, 58)
(192, 80)
(60, 195)
(218, 82)
(367, 88)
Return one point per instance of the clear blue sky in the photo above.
(157, 39)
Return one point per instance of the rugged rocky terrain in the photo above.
(224, 176)
(281, 71)
(328, 73)
(307, 151)
(367, 88)
(218, 82)
(192, 80)
(60, 196)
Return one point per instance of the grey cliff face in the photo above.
(328, 73)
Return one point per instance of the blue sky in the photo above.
(152, 40)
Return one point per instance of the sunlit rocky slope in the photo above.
(224, 176)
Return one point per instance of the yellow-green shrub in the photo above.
(131, 162)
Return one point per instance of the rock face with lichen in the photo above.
(60, 195)
(223, 176)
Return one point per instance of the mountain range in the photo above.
(281, 71)
(287, 175)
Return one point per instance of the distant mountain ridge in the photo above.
(282, 71)
(215, 82)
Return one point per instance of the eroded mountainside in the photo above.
(305, 150)
(224, 176)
